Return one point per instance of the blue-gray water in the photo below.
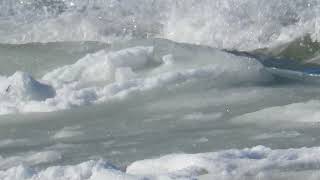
(116, 82)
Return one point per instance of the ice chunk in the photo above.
(24, 87)
(100, 67)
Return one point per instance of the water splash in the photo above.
(231, 24)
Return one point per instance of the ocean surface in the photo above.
(159, 89)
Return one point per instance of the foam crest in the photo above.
(241, 24)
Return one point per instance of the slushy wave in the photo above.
(104, 76)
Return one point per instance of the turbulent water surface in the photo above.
(159, 89)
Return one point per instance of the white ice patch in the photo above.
(282, 134)
(91, 170)
(251, 163)
(68, 132)
(198, 116)
(13, 142)
(303, 112)
(230, 164)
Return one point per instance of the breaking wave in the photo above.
(241, 25)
